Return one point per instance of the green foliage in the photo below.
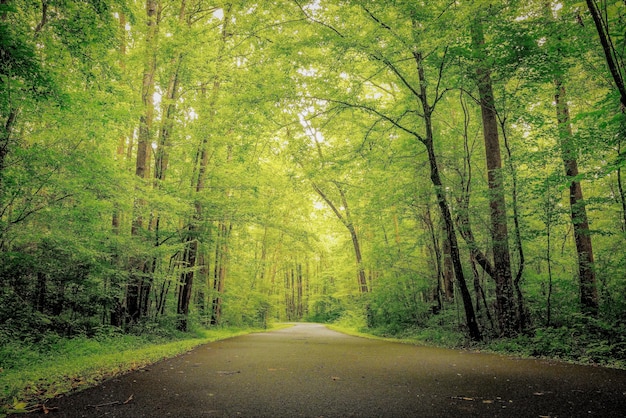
(325, 309)
(582, 338)
(398, 302)
(284, 99)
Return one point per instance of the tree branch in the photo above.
(395, 122)
(315, 20)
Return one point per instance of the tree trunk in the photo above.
(505, 301)
(607, 47)
(580, 223)
(522, 311)
(142, 166)
(219, 274)
(346, 220)
(620, 187)
(470, 315)
(448, 271)
(186, 278)
(202, 165)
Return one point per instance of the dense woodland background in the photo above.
(445, 168)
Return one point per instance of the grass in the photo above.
(569, 344)
(32, 373)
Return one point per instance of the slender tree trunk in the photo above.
(548, 222)
(437, 257)
(580, 223)
(463, 202)
(448, 270)
(522, 312)
(505, 301)
(198, 217)
(142, 166)
(221, 264)
(355, 243)
(620, 187)
(470, 315)
(184, 295)
(346, 220)
(609, 50)
(169, 104)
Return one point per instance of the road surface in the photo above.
(310, 371)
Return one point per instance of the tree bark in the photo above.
(202, 165)
(505, 301)
(221, 264)
(470, 315)
(578, 211)
(142, 165)
(448, 271)
(607, 47)
(346, 220)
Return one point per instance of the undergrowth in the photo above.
(582, 339)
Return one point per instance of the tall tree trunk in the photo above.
(448, 271)
(620, 186)
(609, 51)
(580, 223)
(437, 257)
(184, 295)
(6, 125)
(347, 221)
(221, 265)
(427, 110)
(505, 301)
(435, 177)
(522, 311)
(200, 171)
(470, 315)
(142, 166)
(169, 108)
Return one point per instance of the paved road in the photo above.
(310, 371)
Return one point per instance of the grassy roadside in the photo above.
(29, 375)
(552, 347)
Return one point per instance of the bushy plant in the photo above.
(326, 309)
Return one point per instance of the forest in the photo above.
(447, 169)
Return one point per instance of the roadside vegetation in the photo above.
(578, 338)
(37, 369)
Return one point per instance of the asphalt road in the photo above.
(310, 371)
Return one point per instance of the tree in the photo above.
(140, 281)
(408, 47)
(505, 301)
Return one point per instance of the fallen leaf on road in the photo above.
(463, 398)
(130, 398)
(227, 373)
(335, 378)
(487, 401)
